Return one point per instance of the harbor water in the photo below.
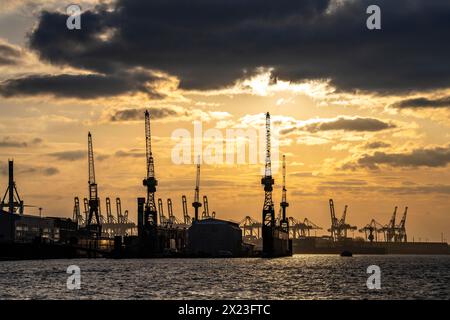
(297, 277)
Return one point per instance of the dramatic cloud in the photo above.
(376, 145)
(8, 142)
(72, 155)
(79, 86)
(51, 171)
(138, 114)
(210, 44)
(134, 153)
(358, 124)
(9, 55)
(437, 189)
(24, 169)
(350, 124)
(422, 103)
(435, 157)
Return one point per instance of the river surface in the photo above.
(297, 277)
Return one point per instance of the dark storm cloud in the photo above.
(434, 157)
(78, 86)
(71, 155)
(376, 145)
(422, 102)
(9, 55)
(342, 123)
(211, 43)
(138, 114)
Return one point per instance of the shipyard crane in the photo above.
(93, 194)
(390, 228)
(205, 208)
(401, 228)
(268, 212)
(197, 204)
(186, 217)
(371, 230)
(284, 204)
(15, 203)
(150, 214)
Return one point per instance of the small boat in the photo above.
(346, 253)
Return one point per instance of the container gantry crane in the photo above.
(309, 225)
(372, 230)
(109, 216)
(339, 228)
(284, 204)
(162, 218)
(15, 203)
(172, 220)
(401, 228)
(390, 229)
(186, 217)
(77, 216)
(250, 228)
(205, 214)
(119, 211)
(93, 192)
(86, 208)
(197, 204)
(298, 229)
(150, 214)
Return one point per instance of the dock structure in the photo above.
(91, 234)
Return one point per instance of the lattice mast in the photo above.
(150, 213)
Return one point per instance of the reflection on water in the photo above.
(298, 277)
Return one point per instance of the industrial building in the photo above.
(214, 237)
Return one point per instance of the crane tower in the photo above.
(284, 204)
(150, 214)
(268, 213)
(197, 204)
(93, 201)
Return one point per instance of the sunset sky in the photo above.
(363, 115)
